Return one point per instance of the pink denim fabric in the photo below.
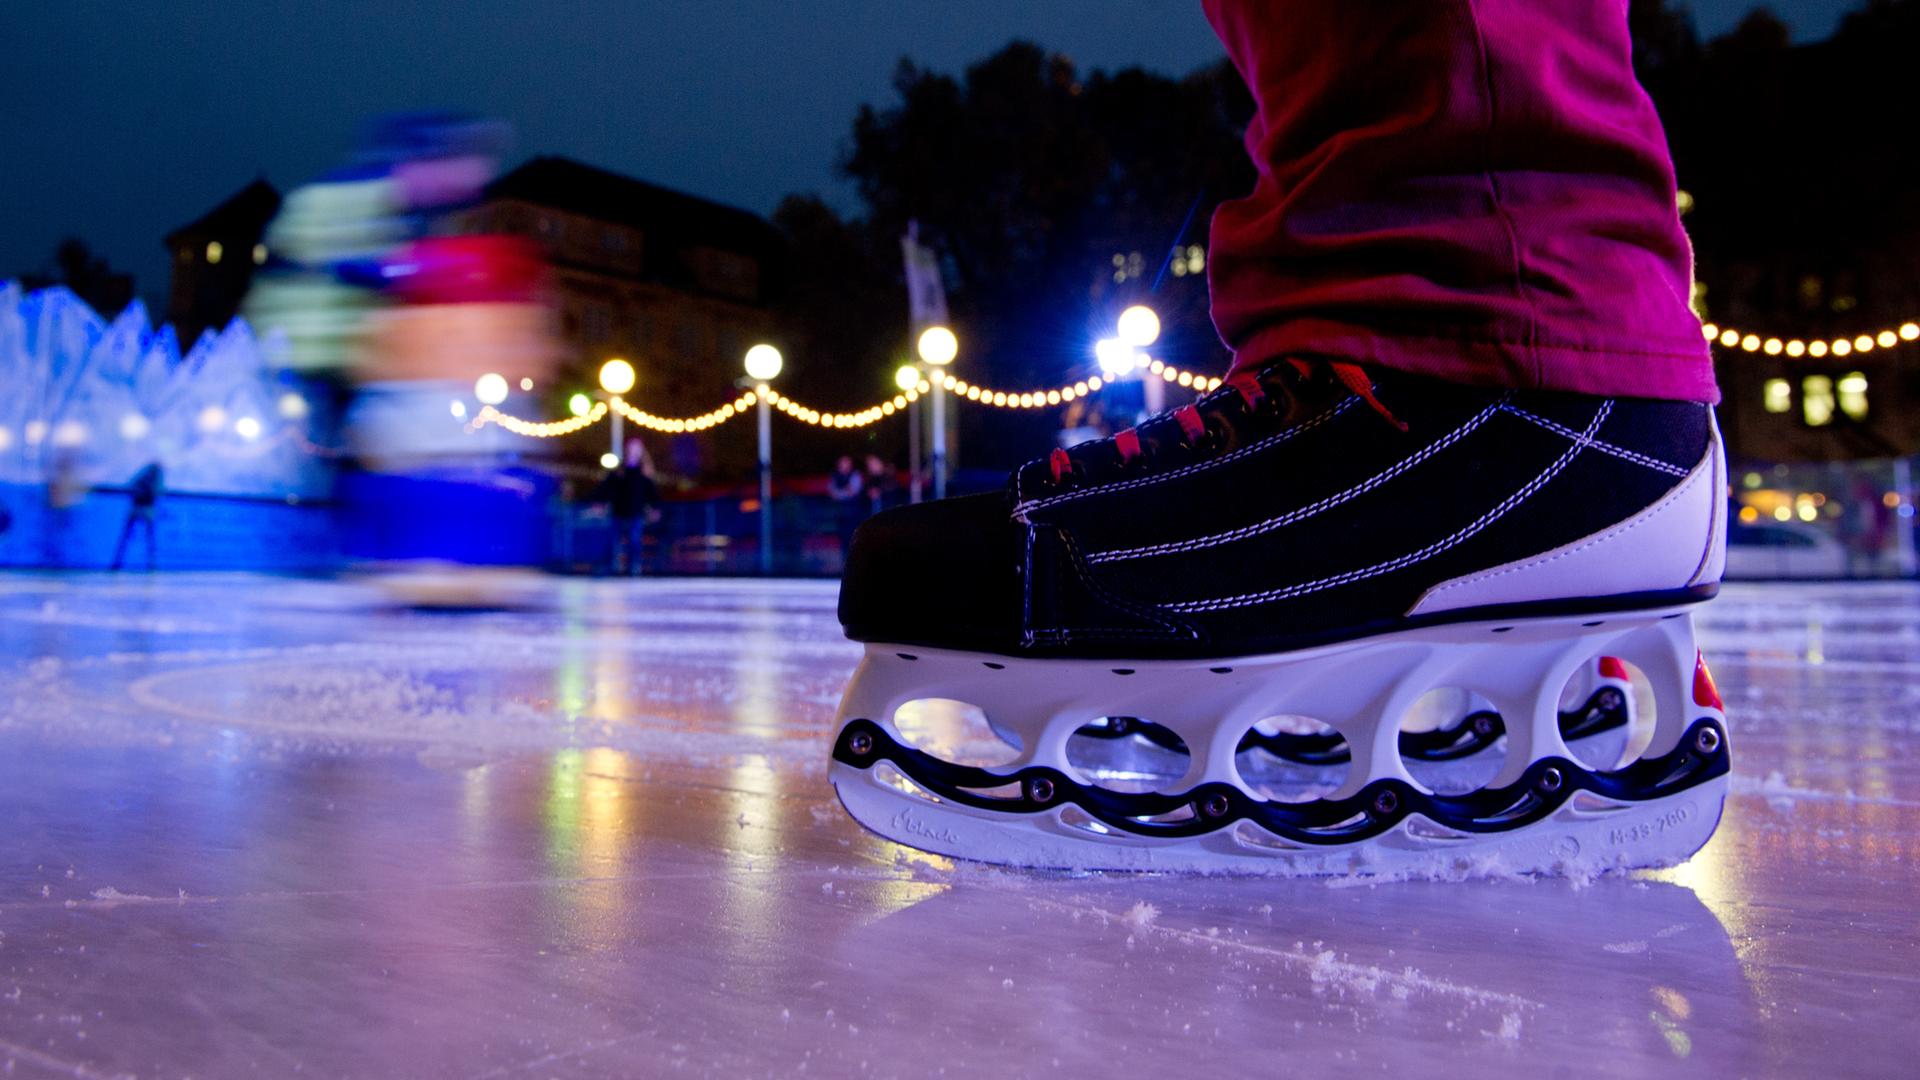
(1475, 190)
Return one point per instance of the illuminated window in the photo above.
(214, 251)
(1816, 400)
(1778, 395)
(1853, 395)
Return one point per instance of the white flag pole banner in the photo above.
(926, 294)
(927, 306)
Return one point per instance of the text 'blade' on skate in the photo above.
(1183, 682)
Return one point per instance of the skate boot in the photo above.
(1324, 620)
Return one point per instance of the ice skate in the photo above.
(1319, 622)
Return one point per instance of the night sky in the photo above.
(120, 121)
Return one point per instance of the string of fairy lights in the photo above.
(1149, 367)
(916, 383)
(1816, 347)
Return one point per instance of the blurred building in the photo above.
(214, 258)
(678, 285)
(1779, 408)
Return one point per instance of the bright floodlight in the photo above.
(247, 428)
(578, 405)
(293, 406)
(1139, 326)
(938, 346)
(609, 460)
(490, 388)
(1114, 356)
(907, 378)
(616, 376)
(764, 363)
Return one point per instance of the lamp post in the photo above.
(1138, 327)
(907, 378)
(616, 378)
(937, 347)
(763, 363)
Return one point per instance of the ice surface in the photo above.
(257, 826)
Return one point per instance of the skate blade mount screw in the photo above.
(1707, 741)
(1216, 805)
(860, 743)
(1610, 700)
(1040, 789)
(1386, 803)
(1550, 780)
(1483, 726)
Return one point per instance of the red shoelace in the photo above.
(1193, 427)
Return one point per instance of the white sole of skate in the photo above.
(1542, 812)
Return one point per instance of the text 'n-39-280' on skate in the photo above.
(1321, 621)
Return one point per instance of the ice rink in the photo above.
(254, 826)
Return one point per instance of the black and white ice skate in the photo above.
(1317, 622)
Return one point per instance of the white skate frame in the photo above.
(1361, 688)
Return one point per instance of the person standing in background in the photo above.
(845, 487)
(632, 497)
(143, 494)
(880, 484)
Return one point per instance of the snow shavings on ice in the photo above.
(1781, 795)
(1323, 968)
(1141, 915)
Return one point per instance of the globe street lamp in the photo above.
(490, 388)
(938, 347)
(907, 377)
(1136, 328)
(763, 364)
(1139, 326)
(616, 378)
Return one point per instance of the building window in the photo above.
(214, 251)
(1853, 395)
(1778, 395)
(1816, 400)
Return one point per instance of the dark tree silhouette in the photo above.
(75, 266)
(1028, 176)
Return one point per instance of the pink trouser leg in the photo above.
(1474, 190)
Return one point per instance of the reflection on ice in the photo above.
(259, 826)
